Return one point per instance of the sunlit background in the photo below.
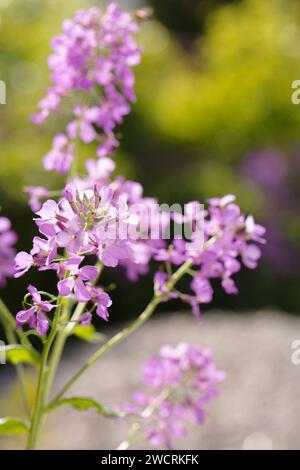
(214, 116)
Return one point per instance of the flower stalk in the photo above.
(38, 408)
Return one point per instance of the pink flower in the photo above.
(102, 301)
(35, 315)
(61, 156)
(77, 279)
(8, 239)
(181, 381)
(23, 262)
(36, 193)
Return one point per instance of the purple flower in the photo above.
(250, 255)
(181, 380)
(102, 301)
(77, 280)
(86, 319)
(41, 256)
(8, 239)
(36, 193)
(229, 241)
(204, 294)
(47, 218)
(35, 315)
(229, 285)
(61, 156)
(100, 169)
(110, 253)
(23, 262)
(202, 289)
(254, 231)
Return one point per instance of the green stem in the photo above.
(38, 408)
(11, 337)
(63, 336)
(9, 326)
(127, 331)
(7, 315)
(56, 353)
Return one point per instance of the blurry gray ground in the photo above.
(258, 406)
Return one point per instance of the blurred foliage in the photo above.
(231, 95)
(214, 85)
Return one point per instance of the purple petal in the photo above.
(5, 224)
(73, 263)
(81, 292)
(88, 273)
(104, 299)
(86, 319)
(64, 238)
(23, 261)
(34, 294)
(24, 315)
(47, 307)
(108, 259)
(47, 229)
(48, 210)
(42, 324)
(65, 286)
(102, 312)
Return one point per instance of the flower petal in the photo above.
(88, 273)
(65, 286)
(81, 292)
(42, 324)
(24, 315)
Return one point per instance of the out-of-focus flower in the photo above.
(181, 381)
(36, 195)
(61, 156)
(8, 239)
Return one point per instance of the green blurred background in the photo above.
(214, 116)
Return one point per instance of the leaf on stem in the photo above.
(88, 333)
(85, 403)
(10, 426)
(16, 354)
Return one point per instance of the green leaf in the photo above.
(88, 333)
(83, 403)
(9, 426)
(16, 354)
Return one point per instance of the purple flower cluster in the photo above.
(8, 239)
(94, 55)
(233, 238)
(181, 381)
(111, 220)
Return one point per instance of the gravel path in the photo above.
(259, 403)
